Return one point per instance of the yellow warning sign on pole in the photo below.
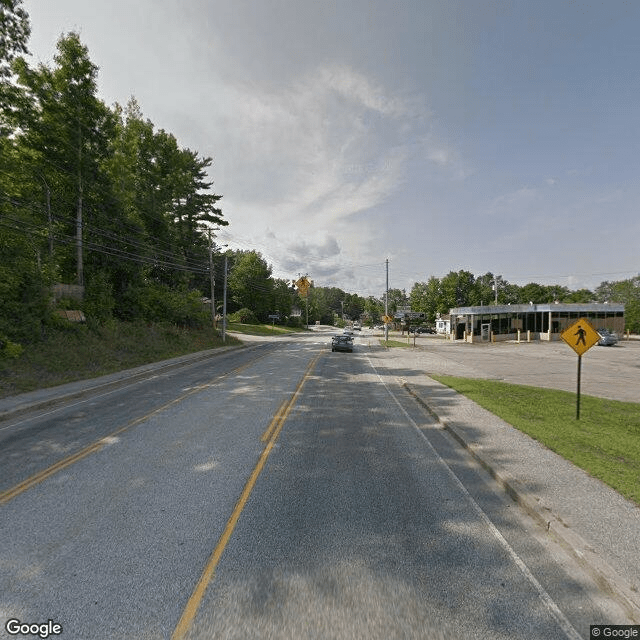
(303, 285)
(580, 336)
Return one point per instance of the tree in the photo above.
(67, 134)
(283, 295)
(396, 298)
(626, 292)
(250, 283)
(425, 297)
(535, 293)
(457, 290)
(581, 295)
(353, 305)
(374, 309)
(14, 36)
(485, 289)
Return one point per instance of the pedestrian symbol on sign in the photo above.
(581, 333)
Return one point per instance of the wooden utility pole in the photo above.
(80, 266)
(212, 281)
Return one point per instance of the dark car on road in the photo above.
(342, 343)
(421, 330)
(607, 338)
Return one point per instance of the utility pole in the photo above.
(224, 302)
(213, 282)
(386, 305)
(49, 220)
(80, 268)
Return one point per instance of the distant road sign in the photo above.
(303, 285)
(580, 336)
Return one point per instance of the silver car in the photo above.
(607, 338)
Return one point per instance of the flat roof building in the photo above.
(530, 321)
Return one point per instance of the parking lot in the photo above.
(609, 372)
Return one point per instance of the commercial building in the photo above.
(530, 321)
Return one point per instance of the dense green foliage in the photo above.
(93, 196)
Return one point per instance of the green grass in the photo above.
(261, 329)
(605, 441)
(77, 352)
(393, 343)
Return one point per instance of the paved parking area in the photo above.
(608, 372)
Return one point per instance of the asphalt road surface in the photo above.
(282, 491)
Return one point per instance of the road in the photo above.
(281, 491)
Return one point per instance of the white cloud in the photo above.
(300, 163)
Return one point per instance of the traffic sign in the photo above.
(580, 336)
(303, 285)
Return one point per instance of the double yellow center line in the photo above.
(269, 436)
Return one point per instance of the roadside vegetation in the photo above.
(394, 343)
(605, 442)
(76, 352)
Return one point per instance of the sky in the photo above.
(496, 136)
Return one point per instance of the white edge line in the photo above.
(553, 608)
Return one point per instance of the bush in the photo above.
(156, 302)
(295, 322)
(98, 299)
(244, 316)
(9, 349)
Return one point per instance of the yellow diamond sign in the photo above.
(580, 336)
(303, 285)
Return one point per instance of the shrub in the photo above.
(244, 316)
(9, 349)
(98, 298)
(295, 321)
(156, 302)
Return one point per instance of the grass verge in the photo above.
(605, 442)
(78, 352)
(393, 343)
(261, 329)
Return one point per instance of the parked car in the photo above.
(420, 329)
(607, 338)
(426, 330)
(342, 343)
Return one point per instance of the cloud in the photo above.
(327, 249)
(307, 165)
(331, 136)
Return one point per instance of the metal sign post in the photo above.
(578, 393)
(580, 336)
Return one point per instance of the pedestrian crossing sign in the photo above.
(580, 336)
